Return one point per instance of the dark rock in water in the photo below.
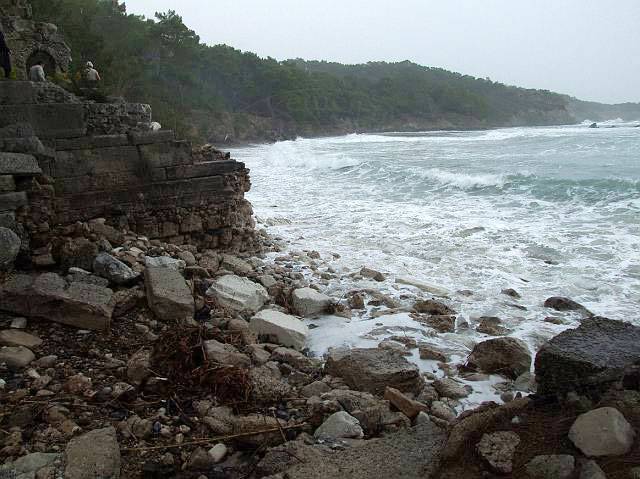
(509, 357)
(511, 292)
(593, 125)
(588, 359)
(565, 304)
(492, 326)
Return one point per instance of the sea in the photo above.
(547, 211)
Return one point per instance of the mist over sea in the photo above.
(547, 211)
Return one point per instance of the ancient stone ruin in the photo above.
(65, 161)
(32, 41)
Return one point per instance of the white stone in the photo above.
(282, 328)
(340, 425)
(239, 294)
(309, 302)
(218, 453)
(602, 432)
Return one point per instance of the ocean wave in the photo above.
(463, 181)
(304, 153)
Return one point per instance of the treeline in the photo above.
(216, 92)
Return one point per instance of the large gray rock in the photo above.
(235, 265)
(238, 294)
(114, 270)
(309, 302)
(509, 357)
(49, 296)
(164, 262)
(94, 454)
(551, 467)
(594, 355)
(168, 295)
(340, 425)
(497, 449)
(372, 370)
(26, 467)
(9, 248)
(14, 337)
(280, 328)
(591, 470)
(16, 357)
(602, 432)
(560, 303)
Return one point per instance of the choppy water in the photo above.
(547, 211)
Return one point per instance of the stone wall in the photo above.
(65, 162)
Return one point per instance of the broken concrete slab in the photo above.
(239, 294)
(168, 295)
(281, 328)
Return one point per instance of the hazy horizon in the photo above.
(587, 49)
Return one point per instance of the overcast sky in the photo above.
(586, 48)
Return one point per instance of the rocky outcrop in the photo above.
(590, 358)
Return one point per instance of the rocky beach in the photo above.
(151, 326)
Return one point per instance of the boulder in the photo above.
(235, 265)
(591, 357)
(94, 454)
(309, 302)
(74, 253)
(16, 357)
(316, 388)
(14, 337)
(238, 294)
(168, 295)
(509, 357)
(430, 353)
(372, 370)
(9, 248)
(497, 449)
(28, 466)
(451, 388)
(591, 470)
(114, 270)
(280, 328)
(49, 296)
(218, 352)
(164, 262)
(257, 423)
(340, 425)
(565, 304)
(404, 404)
(372, 274)
(492, 326)
(432, 307)
(551, 467)
(602, 432)
(372, 412)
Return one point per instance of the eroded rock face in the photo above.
(509, 357)
(372, 370)
(602, 432)
(590, 357)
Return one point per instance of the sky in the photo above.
(586, 48)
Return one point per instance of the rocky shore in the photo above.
(141, 358)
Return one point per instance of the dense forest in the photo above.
(218, 93)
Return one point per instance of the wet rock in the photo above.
(565, 304)
(9, 248)
(238, 294)
(442, 411)
(372, 274)
(168, 295)
(442, 324)
(509, 357)
(95, 454)
(16, 357)
(430, 353)
(591, 470)
(225, 354)
(450, 388)
(280, 328)
(433, 307)
(309, 302)
(356, 301)
(591, 357)
(49, 296)
(498, 449)
(551, 467)
(511, 292)
(404, 404)
(13, 337)
(602, 432)
(372, 370)
(427, 288)
(340, 425)
(492, 326)
(114, 270)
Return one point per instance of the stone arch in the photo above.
(41, 55)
